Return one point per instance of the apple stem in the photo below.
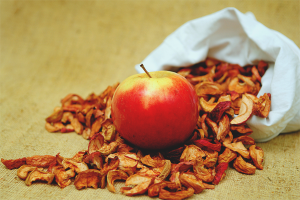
(143, 67)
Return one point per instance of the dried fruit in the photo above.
(227, 156)
(14, 163)
(141, 183)
(164, 194)
(39, 175)
(218, 139)
(238, 147)
(190, 180)
(88, 179)
(40, 161)
(113, 175)
(245, 111)
(204, 143)
(220, 172)
(24, 170)
(257, 155)
(242, 166)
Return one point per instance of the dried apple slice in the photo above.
(188, 179)
(204, 143)
(206, 106)
(220, 172)
(141, 185)
(218, 111)
(115, 175)
(245, 111)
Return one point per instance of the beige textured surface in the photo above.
(52, 48)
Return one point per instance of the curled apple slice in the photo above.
(245, 111)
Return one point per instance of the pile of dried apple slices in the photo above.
(227, 96)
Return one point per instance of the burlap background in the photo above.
(52, 48)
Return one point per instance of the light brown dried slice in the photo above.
(223, 128)
(90, 178)
(188, 179)
(238, 147)
(108, 108)
(72, 99)
(67, 129)
(245, 111)
(166, 170)
(191, 153)
(240, 88)
(40, 160)
(55, 116)
(108, 130)
(141, 185)
(111, 164)
(67, 117)
(208, 186)
(37, 175)
(128, 161)
(113, 175)
(86, 133)
(23, 171)
(205, 78)
(203, 125)
(246, 79)
(75, 165)
(14, 163)
(96, 126)
(208, 88)
(203, 173)
(155, 161)
(233, 95)
(183, 194)
(155, 188)
(213, 125)
(227, 156)
(257, 155)
(184, 72)
(222, 78)
(263, 106)
(228, 139)
(95, 159)
(62, 176)
(201, 133)
(89, 115)
(96, 142)
(146, 171)
(206, 106)
(246, 140)
(209, 106)
(112, 147)
(242, 166)
(211, 158)
(243, 129)
(78, 127)
(236, 104)
(54, 127)
(256, 73)
(80, 117)
(211, 62)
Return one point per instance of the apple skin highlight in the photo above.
(155, 113)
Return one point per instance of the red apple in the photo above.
(155, 112)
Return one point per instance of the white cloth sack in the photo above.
(234, 37)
